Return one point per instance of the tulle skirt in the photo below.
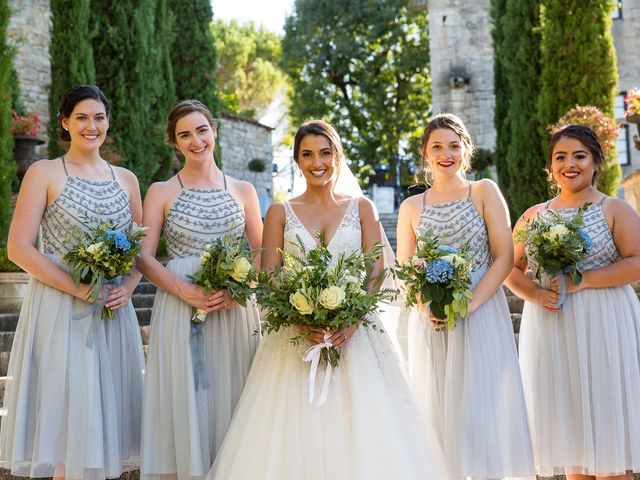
(74, 389)
(581, 375)
(469, 382)
(369, 428)
(184, 424)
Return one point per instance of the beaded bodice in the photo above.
(457, 224)
(199, 216)
(83, 203)
(346, 239)
(603, 251)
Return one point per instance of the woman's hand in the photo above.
(548, 298)
(117, 297)
(436, 322)
(337, 337)
(195, 296)
(221, 300)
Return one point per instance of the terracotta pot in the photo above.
(633, 118)
(24, 152)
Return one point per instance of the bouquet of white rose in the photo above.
(100, 255)
(226, 263)
(557, 245)
(437, 275)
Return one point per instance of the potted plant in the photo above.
(25, 134)
(632, 100)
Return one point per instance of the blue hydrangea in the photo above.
(120, 239)
(447, 249)
(587, 239)
(439, 271)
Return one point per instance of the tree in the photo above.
(579, 68)
(128, 53)
(248, 70)
(365, 67)
(7, 164)
(501, 92)
(71, 57)
(525, 159)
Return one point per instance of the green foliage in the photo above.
(14, 88)
(501, 91)
(248, 71)
(7, 265)
(364, 66)
(481, 161)
(257, 165)
(521, 59)
(579, 67)
(71, 58)
(7, 164)
(130, 48)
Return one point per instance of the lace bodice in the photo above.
(199, 216)
(347, 238)
(456, 224)
(83, 203)
(603, 251)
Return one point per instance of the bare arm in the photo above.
(406, 228)
(370, 226)
(522, 285)
(30, 207)
(496, 217)
(273, 237)
(625, 228)
(253, 220)
(157, 199)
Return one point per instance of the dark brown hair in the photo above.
(322, 128)
(71, 98)
(586, 137)
(453, 123)
(182, 109)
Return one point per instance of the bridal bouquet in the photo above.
(100, 255)
(557, 244)
(438, 275)
(225, 263)
(312, 289)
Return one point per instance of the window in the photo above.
(622, 145)
(620, 105)
(617, 11)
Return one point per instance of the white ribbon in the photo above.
(313, 355)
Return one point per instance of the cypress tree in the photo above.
(127, 57)
(578, 67)
(502, 94)
(525, 159)
(71, 57)
(7, 163)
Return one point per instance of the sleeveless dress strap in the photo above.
(64, 165)
(113, 174)
(224, 179)
(180, 181)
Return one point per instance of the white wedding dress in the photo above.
(369, 427)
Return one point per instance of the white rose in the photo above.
(204, 257)
(300, 303)
(94, 248)
(454, 259)
(241, 269)
(331, 297)
(557, 232)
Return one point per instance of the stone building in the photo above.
(462, 68)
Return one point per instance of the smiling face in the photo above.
(195, 137)
(572, 164)
(444, 152)
(317, 160)
(88, 124)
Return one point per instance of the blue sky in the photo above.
(270, 13)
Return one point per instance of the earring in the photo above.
(299, 171)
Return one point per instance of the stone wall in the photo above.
(462, 64)
(30, 31)
(243, 140)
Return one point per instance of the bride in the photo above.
(369, 427)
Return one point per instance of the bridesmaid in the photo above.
(468, 378)
(184, 424)
(581, 361)
(72, 410)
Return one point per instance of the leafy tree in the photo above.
(7, 164)
(248, 70)
(128, 53)
(578, 68)
(525, 159)
(501, 92)
(71, 57)
(365, 67)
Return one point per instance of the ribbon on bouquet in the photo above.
(562, 288)
(313, 355)
(95, 310)
(196, 344)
